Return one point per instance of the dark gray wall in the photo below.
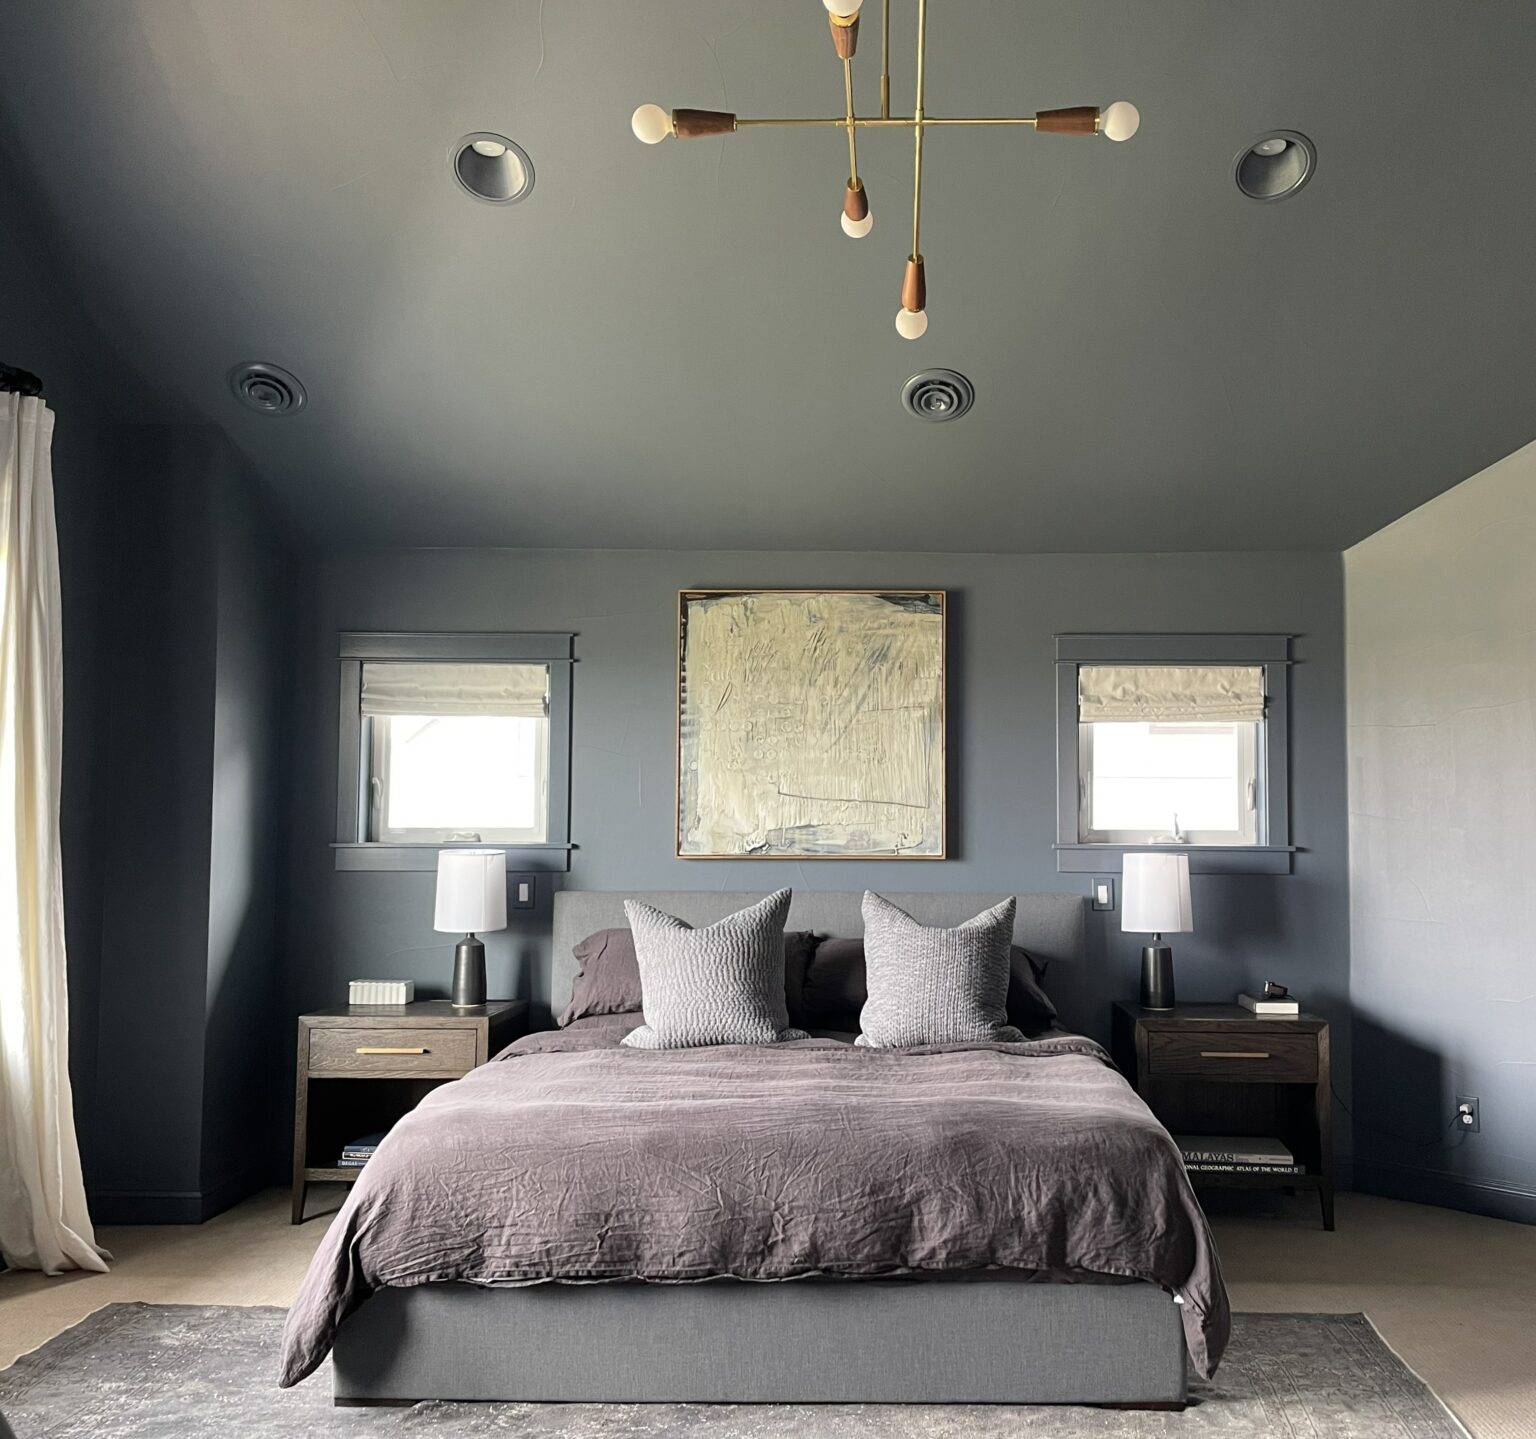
(247, 1038)
(188, 996)
(156, 785)
(1004, 612)
(1442, 713)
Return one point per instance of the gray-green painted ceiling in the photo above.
(677, 346)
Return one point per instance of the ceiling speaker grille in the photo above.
(938, 395)
(267, 389)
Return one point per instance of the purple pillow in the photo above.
(608, 974)
(834, 990)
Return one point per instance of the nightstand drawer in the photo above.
(429, 1052)
(1233, 1054)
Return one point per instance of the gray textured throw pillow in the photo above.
(723, 984)
(936, 986)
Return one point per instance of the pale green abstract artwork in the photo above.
(811, 724)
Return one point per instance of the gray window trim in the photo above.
(1273, 652)
(351, 850)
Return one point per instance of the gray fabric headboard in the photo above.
(1050, 926)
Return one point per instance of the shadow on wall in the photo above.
(1404, 1122)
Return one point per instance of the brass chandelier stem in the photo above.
(885, 59)
(853, 146)
(917, 132)
(885, 122)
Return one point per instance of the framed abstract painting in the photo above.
(810, 724)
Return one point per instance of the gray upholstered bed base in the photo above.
(982, 1340)
(890, 1341)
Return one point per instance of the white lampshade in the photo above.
(471, 891)
(1155, 894)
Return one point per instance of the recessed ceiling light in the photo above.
(1275, 166)
(267, 389)
(492, 168)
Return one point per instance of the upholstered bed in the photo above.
(798, 1222)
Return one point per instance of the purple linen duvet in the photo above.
(570, 1158)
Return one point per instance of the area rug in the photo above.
(193, 1371)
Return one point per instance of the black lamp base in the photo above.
(1157, 977)
(468, 973)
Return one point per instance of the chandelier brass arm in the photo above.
(652, 124)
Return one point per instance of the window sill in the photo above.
(521, 858)
(1203, 858)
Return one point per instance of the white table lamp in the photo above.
(1155, 901)
(471, 900)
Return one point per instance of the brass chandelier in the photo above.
(652, 124)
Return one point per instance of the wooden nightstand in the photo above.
(1220, 1069)
(363, 1066)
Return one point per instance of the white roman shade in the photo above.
(519, 691)
(1222, 694)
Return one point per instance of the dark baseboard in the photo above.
(1449, 1191)
(170, 1206)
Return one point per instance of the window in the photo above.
(1173, 740)
(457, 753)
(453, 739)
(1194, 783)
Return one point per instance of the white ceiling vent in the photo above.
(267, 389)
(938, 395)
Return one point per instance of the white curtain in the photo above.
(1221, 694)
(43, 1219)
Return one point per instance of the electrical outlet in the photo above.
(1469, 1115)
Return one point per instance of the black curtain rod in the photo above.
(19, 382)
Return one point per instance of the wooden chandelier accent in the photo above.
(1115, 122)
(914, 285)
(696, 124)
(845, 35)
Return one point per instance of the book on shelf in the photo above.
(357, 1152)
(1213, 1166)
(1233, 1149)
(1275, 1008)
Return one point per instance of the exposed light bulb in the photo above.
(491, 149)
(651, 124)
(1120, 121)
(857, 229)
(911, 323)
(1275, 145)
(842, 8)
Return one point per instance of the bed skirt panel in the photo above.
(890, 1341)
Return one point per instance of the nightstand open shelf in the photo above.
(361, 1067)
(1219, 1069)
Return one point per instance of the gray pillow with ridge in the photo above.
(936, 986)
(723, 984)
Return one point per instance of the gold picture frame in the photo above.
(843, 692)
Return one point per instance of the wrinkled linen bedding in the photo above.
(572, 1159)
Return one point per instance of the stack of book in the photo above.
(1274, 1008)
(1236, 1154)
(357, 1152)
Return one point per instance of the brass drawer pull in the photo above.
(381, 1049)
(1234, 1054)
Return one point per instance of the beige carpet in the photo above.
(1455, 1295)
